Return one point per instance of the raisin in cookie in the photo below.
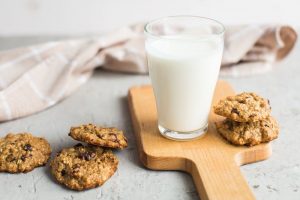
(248, 133)
(83, 167)
(244, 107)
(99, 136)
(23, 152)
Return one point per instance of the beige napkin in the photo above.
(254, 49)
(37, 77)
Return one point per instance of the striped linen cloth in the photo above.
(37, 77)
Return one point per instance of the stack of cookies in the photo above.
(87, 166)
(248, 119)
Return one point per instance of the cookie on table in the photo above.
(83, 167)
(244, 107)
(99, 136)
(248, 133)
(23, 152)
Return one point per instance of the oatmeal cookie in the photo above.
(23, 152)
(83, 167)
(248, 133)
(99, 136)
(244, 107)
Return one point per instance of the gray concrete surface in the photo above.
(102, 100)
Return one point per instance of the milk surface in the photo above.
(184, 71)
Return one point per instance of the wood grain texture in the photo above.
(212, 162)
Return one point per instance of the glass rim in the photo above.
(149, 33)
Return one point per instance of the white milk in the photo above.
(183, 74)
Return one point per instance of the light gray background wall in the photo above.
(77, 17)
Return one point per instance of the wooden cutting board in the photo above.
(212, 162)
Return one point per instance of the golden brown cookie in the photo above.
(23, 152)
(244, 107)
(83, 167)
(99, 136)
(248, 133)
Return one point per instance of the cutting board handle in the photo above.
(218, 178)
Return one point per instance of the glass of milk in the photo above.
(184, 55)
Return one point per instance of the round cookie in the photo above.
(23, 152)
(99, 136)
(244, 107)
(83, 167)
(248, 133)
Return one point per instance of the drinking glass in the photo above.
(184, 55)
